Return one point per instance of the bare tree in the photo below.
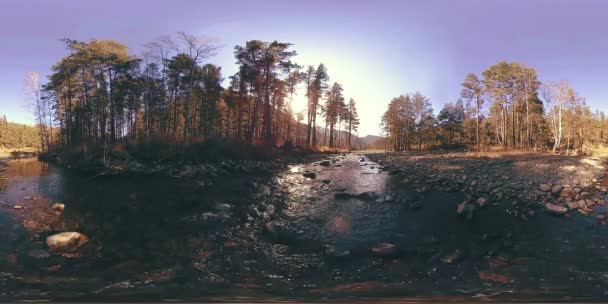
(33, 89)
(557, 97)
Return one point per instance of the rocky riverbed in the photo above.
(526, 181)
(415, 225)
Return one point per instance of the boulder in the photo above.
(555, 209)
(325, 163)
(66, 241)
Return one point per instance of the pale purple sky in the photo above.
(376, 49)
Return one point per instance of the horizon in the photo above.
(432, 46)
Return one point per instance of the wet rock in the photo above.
(58, 207)
(555, 209)
(482, 201)
(452, 257)
(311, 175)
(384, 249)
(336, 253)
(568, 192)
(17, 207)
(325, 163)
(466, 210)
(556, 189)
(326, 181)
(494, 277)
(544, 187)
(572, 205)
(66, 241)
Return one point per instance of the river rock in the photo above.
(554, 209)
(556, 189)
(452, 257)
(482, 201)
(572, 205)
(384, 249)
(58, 207)
(544, 187)
(310, 175)
(325, 163)
(66, 241)
(568, 192)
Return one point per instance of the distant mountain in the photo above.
(370, 140)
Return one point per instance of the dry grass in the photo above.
(4, 152)
(595, 150)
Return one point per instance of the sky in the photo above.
(376, 49)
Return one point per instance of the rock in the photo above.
(28, 198)
(333, 252)
(384, 249)
(311, 175)
(572, 205)
(326, 181)
(58, 207)
(452, 257)
(325, 163)
(465, 209)
(66, 241)
(554, 209)
(567, 192)
(494, 277)
(482, 201)
(18, 207)
(556, 189)
(3, 203)
(601, 217)
(460, 208)
(544, 187)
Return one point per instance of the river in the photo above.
(351, 231)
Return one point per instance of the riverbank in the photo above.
(206, 160)
(18, 153)
(338, 226)
(526, 180)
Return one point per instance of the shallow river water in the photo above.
(353, 230)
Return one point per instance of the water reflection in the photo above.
(352, 229)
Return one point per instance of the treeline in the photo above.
(101, 94)
(507, 107)
(18, 136)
